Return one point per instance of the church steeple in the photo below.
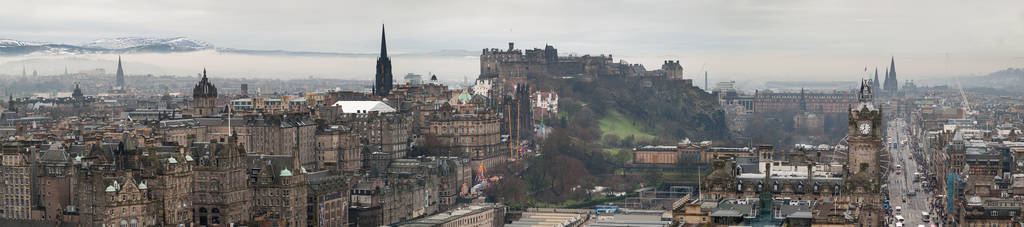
(383, 43)
(383, 79)
(875, 83)
(892, 73)
(120, 74)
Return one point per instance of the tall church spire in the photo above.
(891, 84)
(119, 81)
(383, 43)
(875, 83)
(383, 79)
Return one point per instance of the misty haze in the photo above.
(519, 113)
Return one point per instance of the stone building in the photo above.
(865, 136)
(279, 194)
(407, 189)
(273, 134)
(482, 215)
(683, 153)
(327, 199)
(339, 148)
(56, 184)
(836, 102)
(204, 98)
(672, 70)
(110, 197)
(456, 177)
(474, 135)
(845, 196)
(16, 184)
(991, 211)
(388, 134)
(169, 178)
(221, 194)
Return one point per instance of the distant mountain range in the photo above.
(124, 45)
(1008, 79)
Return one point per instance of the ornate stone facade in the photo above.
(204, 98)
(221, 192)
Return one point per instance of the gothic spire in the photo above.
(892, 72)
(383, 43)
(383, 79)
(120, 74)
(875, 82)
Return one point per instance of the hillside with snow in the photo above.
(126, 45)
(178, 43)
(10, 47)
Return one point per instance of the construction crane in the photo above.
(963, 95)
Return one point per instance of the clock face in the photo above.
(865, 128)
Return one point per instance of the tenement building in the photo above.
(221, 192)
(55, 184)
(16, 176)
(467, 127)
(279, 192)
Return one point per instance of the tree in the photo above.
(611, 140)
(434, 146)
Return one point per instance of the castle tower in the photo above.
(204, 98)
(119, 81)
(673, 70)
(383, 80)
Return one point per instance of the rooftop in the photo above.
(364, 106)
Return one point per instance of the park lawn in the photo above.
(617, 124)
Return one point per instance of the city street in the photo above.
(901, 180)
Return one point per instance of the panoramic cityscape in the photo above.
(432, 114)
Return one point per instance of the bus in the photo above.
(600, 209)
(924, 216)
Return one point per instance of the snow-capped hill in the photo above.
(176, 43)
(16, 43)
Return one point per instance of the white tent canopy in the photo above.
(364, 106)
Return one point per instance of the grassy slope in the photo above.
(615, 123)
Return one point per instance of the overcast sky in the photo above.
(732, 39)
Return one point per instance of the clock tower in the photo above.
(865, 136)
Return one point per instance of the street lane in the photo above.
(903, 183)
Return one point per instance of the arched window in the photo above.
(124, 223)
(202, 210)
(215, 210)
